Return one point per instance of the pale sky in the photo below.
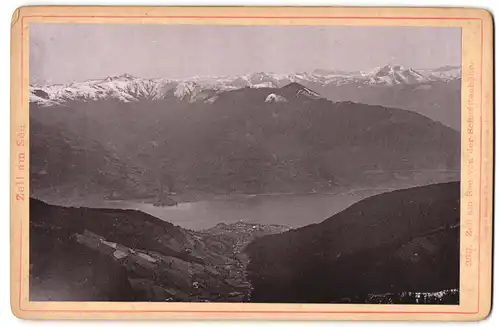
(63, 53)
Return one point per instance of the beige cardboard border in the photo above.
(477, 160)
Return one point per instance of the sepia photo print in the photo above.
(231, 163)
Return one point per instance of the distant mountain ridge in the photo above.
(126, 87)
(434, 93)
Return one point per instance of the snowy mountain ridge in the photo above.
(128, 88)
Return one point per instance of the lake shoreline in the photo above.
(292, 209)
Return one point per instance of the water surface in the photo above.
(293, 210)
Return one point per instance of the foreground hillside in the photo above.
(401, 243)
(397, 247)
(81, 254)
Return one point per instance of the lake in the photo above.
(293, 210)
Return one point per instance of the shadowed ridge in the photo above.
(396, 242)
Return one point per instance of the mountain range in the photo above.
(432, 92)
(242, 141)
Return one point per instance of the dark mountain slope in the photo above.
(437, 100)
(244, 145)
(72, 166)
(236, 142)
(401, 241)
(306, 144)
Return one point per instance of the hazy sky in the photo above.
(62, 53)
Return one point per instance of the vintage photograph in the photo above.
(231, 163)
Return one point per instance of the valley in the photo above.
(150, 259)
(127, 255)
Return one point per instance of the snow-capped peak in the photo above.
(273, 97)
(299, 89)
(119, 77)
(396, 74)
(184, 89)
